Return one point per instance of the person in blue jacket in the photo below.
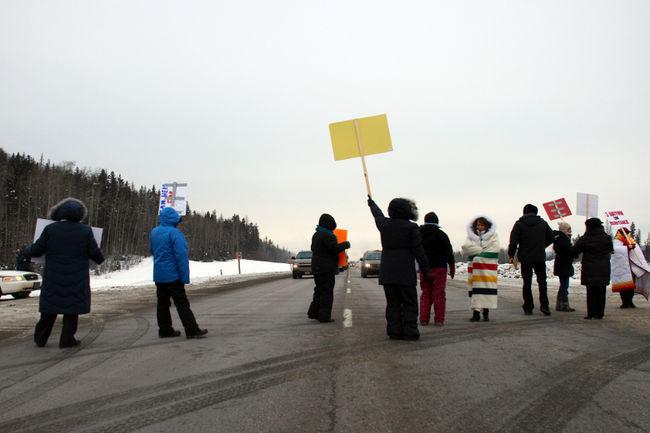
(171, 271)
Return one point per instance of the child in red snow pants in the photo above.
(433, 292)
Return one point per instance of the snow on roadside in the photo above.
(142, 273)
(506, 270)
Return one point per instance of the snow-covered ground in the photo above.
(142, 273)
(509, 271)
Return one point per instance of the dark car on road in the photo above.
(301, 264)
(370, 263)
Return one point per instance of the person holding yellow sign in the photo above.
(401, 246)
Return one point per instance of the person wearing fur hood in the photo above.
(401, 247)
(67, 244)
(482, 251)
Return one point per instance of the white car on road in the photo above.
(19, 283)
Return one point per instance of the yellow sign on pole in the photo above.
(360, 137)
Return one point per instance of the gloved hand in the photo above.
(425, 277)
(345, 244)
(452, 272)
(370, 201)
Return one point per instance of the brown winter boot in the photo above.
(558, 303)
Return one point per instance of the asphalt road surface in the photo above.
(266, 367)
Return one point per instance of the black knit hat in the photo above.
(431, 217)
(530, 208)
(593, 223)
(327, 221)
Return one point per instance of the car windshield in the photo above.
(373, 256)
(304, 255)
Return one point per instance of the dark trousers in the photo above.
(401, 311)
(46, 323)
(176, 291)
(563, 292)
(596, 301)
(626, 297)
(527, 275)
(321, 304)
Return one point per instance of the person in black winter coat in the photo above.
(324, 265)
(67, 245)
(563, 265)
(596, 247)
(23, 261)
(531, 234)
(440, 255)
(401, 246)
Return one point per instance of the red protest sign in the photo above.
(557, 209)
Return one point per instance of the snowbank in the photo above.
(509, 271)
(142, 273)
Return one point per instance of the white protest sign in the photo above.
(42, 223)
(587, 205)
(173, 194)
(617, 220)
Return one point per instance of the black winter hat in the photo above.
(530, 208)
(431, 217)
(326, 220)
(403, 208)
(593, 223)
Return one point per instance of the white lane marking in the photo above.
(349, 290)
(347, 318)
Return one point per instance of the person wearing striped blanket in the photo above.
(482, 251)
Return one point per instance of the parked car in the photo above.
(301, 264)
(370, 263)
(19, 284)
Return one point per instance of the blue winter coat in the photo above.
(67, 245)
(169, 249)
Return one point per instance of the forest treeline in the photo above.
(29, 188)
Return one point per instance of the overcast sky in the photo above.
(491, 104)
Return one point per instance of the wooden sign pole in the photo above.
(363, 158)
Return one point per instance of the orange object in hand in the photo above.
(341, 236)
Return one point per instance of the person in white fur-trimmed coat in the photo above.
(482, 251)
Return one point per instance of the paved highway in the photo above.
(266, 367)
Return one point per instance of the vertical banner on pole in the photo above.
(587, 205)
(360, 137)
(341, 236)
(173, 194)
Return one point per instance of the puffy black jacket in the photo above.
(401, 245)
(325, 248)
(67, 246)
(437, 247)
(532, 234)
(596, 247)
(563, 266)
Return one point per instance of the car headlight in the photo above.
(295, 266)
(367, 265)
(12, 278)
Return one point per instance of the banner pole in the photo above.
(363, 158)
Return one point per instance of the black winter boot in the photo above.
(476, 317)
(486, 315)
(558, 302)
